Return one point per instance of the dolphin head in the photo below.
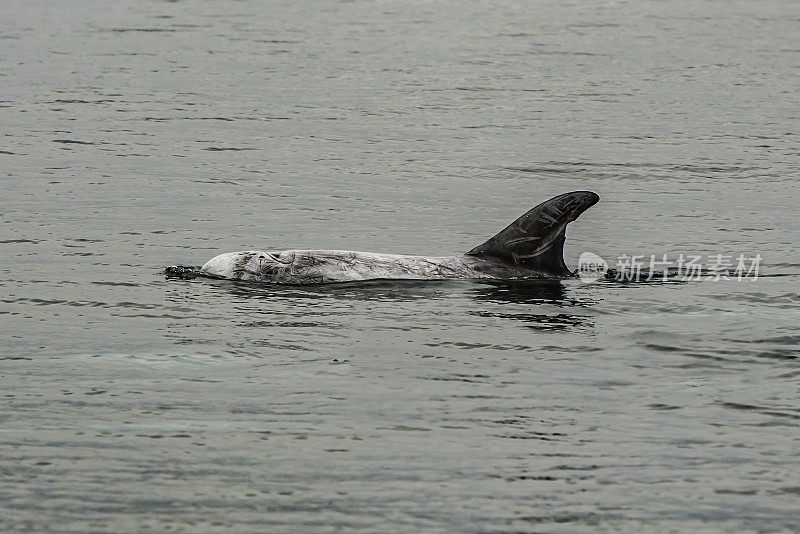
(250, 265)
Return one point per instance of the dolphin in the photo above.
(530, 247)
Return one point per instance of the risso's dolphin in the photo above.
(530, 247)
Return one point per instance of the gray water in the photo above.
(137, 135)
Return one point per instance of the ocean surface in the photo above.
(137, 135)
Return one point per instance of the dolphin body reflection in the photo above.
(530, 247)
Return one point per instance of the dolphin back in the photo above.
(536, 240)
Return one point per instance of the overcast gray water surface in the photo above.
(135, 135)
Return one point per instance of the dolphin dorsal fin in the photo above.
(536, 240)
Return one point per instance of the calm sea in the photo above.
(135, 135)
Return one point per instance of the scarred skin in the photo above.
(299, 267)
